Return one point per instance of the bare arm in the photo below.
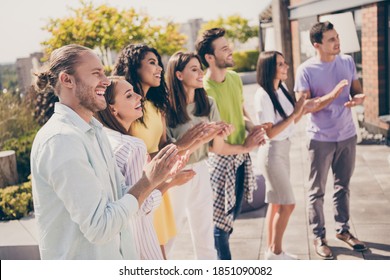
(357, 95)
(253, 140)
(219, 146)
(325, 100)
(273, 130)
(248, 121)
(356, 88)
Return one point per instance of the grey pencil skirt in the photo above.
(274, 160)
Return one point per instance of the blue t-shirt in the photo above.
(334, 122)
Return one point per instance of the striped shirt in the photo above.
(131, 157)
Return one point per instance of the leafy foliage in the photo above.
(16, 117)
(107, 28)
(8, 77)
(245, 61)
(237, 28)
(162, 36)
(22, 147)
(16, 201)
(17, 130)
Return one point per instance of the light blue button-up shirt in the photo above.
(80, 199)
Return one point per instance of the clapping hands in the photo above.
(166, 164)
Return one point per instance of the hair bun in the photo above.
(42, 80)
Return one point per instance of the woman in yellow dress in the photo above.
(143, 68)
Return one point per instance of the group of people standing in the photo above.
(125, 160)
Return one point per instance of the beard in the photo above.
(87, 97)
(222, 64)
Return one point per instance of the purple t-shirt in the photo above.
(334, 122)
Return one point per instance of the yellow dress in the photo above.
(164, 222)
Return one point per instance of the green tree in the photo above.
(16, 117)
(237, 28)
(107, 28)
(17, 129)
(162, 37)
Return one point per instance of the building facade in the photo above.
(25, 68)
(191, 29)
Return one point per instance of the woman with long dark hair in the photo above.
(277, 110)
(190, 105)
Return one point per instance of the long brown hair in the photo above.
(106, 117)
(266, 73)
(177, 96)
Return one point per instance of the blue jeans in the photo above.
(221, 237)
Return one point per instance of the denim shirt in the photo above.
(80, 200)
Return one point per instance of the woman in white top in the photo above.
(124, 107)
(276, 108)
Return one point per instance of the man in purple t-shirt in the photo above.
(331, 78)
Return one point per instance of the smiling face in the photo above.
(91, 83)
(223, 54)
(281, 68)
(127, 104)
(192, 74)
(150, 72)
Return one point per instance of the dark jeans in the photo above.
(221, 237)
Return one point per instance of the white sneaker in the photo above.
(269, 255)
(288, 256)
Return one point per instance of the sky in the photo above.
(21, 21)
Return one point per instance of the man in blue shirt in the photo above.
(82, 205)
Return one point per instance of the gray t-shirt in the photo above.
(178, 131)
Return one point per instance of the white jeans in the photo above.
(194, 200)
